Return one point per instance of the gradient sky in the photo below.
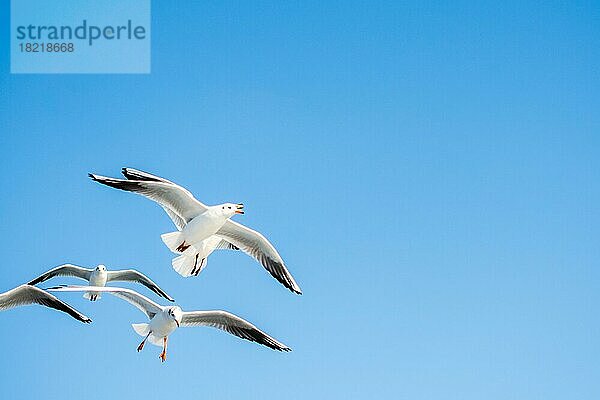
(429, 172)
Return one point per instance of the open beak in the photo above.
(240, 208)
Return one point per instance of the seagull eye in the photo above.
(230, 208)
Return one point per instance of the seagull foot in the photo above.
(141, 346)
(183, 247)
(163, 356)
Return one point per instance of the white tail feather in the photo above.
(173, 240)
(188, 265)
(141, 329)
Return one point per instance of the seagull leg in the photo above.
(195, 264)
(200, 266)
(163, 355)
(141, 346)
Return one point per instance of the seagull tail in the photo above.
(174, 241)
(189, 264)
(141, 329)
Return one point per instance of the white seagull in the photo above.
(202, 228)
(25, 294)
(164, 320)
(99, 276)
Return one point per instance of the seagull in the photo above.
(99, 276)
(164, 320)
(26, 294)
(201, 228)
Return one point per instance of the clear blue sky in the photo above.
(430, 174)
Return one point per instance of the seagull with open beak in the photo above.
(202, 229)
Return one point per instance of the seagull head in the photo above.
(101, 268)
(175, 313)
(230, 209)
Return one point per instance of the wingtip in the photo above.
(93, 176)
(51, 288)
(125, 172)
(164, 295)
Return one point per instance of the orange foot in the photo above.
(163, 356)
(140, 347)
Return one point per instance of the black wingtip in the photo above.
(166, 296)
(56, 287)
(163, 295)
(93, 177)
(37, 280)
(128, 175)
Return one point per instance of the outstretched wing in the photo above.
(27, 294)
(177, 220)
(132, 275)
(141, 302)
(168, 195)
(137, 175)
(225, 245)
(64, 270)
(257, 246)
(233, 324)
(215, 242)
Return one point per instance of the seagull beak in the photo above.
(240, 207)
(177, 322)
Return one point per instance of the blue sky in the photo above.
(429, 172)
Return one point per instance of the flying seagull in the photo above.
(164, 320)
(25, 294)
(202, 228)
(99, 276)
